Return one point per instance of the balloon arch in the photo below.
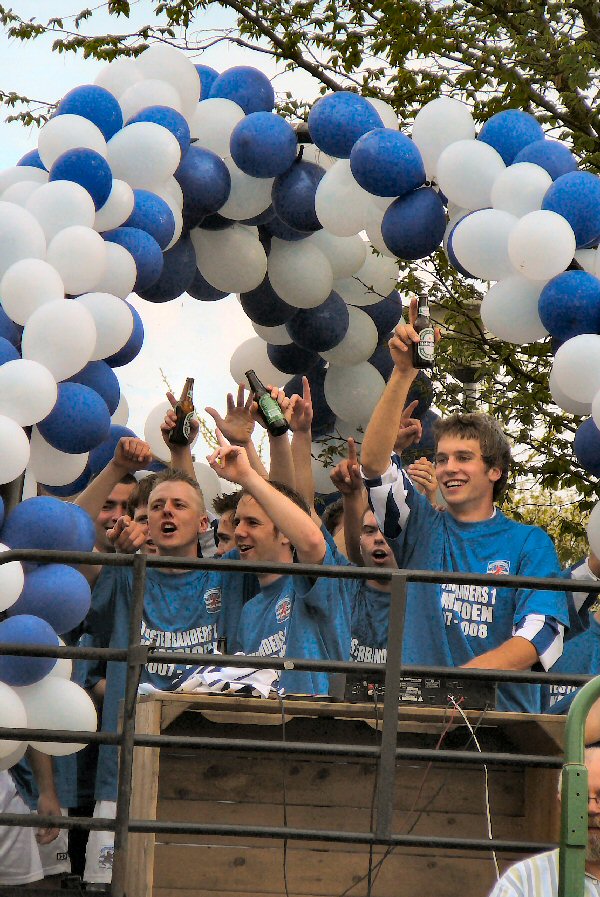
(165, 177)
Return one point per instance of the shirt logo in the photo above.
(283, 608)
(498, 567)
(212, 599)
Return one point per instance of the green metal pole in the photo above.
(574, 795)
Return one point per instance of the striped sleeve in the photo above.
(534, 877)
(581, 572)
(545, 634)
(387, 498)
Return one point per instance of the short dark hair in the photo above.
(332, 515)
(495, 447)
(226, 503)
(178, 476)
(140, 495)
(288, 492)
(127, 479)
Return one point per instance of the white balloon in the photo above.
(117, 208)
(453, 221)
(28, 391)
(120, 273)
(375, 215)
(480, 243)
(341, 204)
(232, 260)
(387, 113)
(57, 703)
(345, 430)
(577, 367)
(212, 124)
(121, 415)
(300, 273)
(19, 173)
(61, 204)
(541, 245)
(588, 259)
(118, 76)
(437, 125)
(14, 450)
(79, 255)
(322, 473)
(61, 336)
(466, 171)
(312, 153)
(353, 392)
(509, 310)
(113, 320)
(358, 344)
(143, 154)
(520, 188)
(52, 467)
(67, 132)
(13, 758)
(63, 668)
(27, 285)
(209, 482)
(276, 336)
(566, 402)
(596, 408)
(172, 66)
(251, 355)
(12, 580)
(249, 196)
(372, 282)
(345, 254)
(151, 92)
(593, 529)
(171, 192)
(177, 215)
(153, 433)
(12, 716)
(21, 237)
(20, 193)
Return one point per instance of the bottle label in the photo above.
(426, 347)
(186, 426)
(271, 410)
(424, 311)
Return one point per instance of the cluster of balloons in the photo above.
(41, 603)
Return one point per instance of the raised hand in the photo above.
(230, 462)
(345, 476)
(282, 400)
(171, 420)
(422, 473)
(127, 535)
(401, 342)
(238, 424)
(301, 410)
(132, 454)
(410, 429)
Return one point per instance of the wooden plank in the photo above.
(542, 807)
(144, 796)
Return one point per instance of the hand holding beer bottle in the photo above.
(412, 345)
(268, 409)
(180, 424)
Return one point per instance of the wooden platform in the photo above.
(242, 787)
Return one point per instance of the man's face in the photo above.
(175, 517)
(374, 550)
(592, 761)
(140, 516)
(466, 482)
(113, 508)
(255, 536)
(225, 534)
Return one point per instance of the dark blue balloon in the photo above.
(32, 160)
(9, 330)
(7, 351)
(97, 105)
(146, 253)
(421, 390)
(152, 215)
(320, 329)
(569, 305)
(56, 593)
(263, 145)
(338, 120)
(85, 167)
(586, 446)
(206, 183)
(385, 314)
(323, 416)
(100, 377)
(103, 453)
(215, 222)
(48, 523)
(204, 291)
(292, 359)
(275, 227)
(78, 422)
(387, 163)
(26, 630)
(207, 76)
(265, 307)
(413, 226)
(261, 218)
(555, 157)
(1, 512)
(133, 346)
(576, 196)
(178, 272)
(511, 131)
(247, 87)
(167, 118)
(451, 253)
(73, 488)
(294, 196)
(382, 361)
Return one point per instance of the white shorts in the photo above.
(100, 847)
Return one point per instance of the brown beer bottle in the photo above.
(184, 410)
(423, 352)
(271, 414)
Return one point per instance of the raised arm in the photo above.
(348, 481)
(48, 802)
(301, 426)
(238, 425)
(181, 455)
(131, 454)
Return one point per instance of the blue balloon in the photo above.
(202, 290)
(338, 120)
(32, 159)
(100, 377)
(294, 196)
(97, 105)
(413, 226)
(510, 131)
(421, 390)
(207, 76)
(576, 196)
(167, 118)
(7, 351)
(382, 361)
(263, 145)
(56, 593)
(78, 422)
(1, 512)
(451, 253)
(206, 183)
(47, 523)
(246, 86)
(385, 314)
(73, 488)
(387, 163)
(265, 307)
(216, 222)
(146, 253)
(178, 272)
(320, 329)
(292, 359)
(152, 215)
(9, 330)
(586, 446)
(323, 417)
(103, 453)
(555, 157)
(85, 167)
(258, 220)
(569, 305)
(26, 630)
(275, 227)
(133, 346)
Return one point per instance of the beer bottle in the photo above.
(184, 410)
(268, 409)
(423, 352)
